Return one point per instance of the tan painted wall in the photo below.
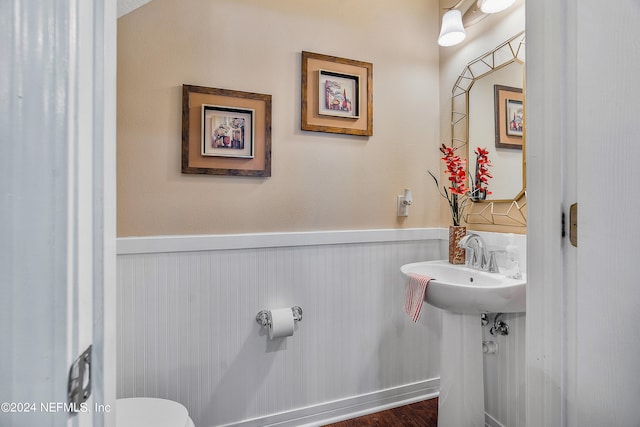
(319, 181)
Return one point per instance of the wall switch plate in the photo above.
(403, 210)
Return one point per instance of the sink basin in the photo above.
(460, 289)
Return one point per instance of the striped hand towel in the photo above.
(414, 292)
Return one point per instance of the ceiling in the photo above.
(471, 16)
(126, 6)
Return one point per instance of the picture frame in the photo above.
(227, 131)
(337, 95)
(244, 143)
(509, 117)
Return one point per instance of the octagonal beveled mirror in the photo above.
(478, 113)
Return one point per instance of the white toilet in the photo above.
(151, 412)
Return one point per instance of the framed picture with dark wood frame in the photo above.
(337, 95)
(225, 132)
(509, 116)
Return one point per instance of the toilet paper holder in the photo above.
(264, 316)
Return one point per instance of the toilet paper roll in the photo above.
(281, 323)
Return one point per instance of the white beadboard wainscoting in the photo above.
(504, 374)
(187, 329)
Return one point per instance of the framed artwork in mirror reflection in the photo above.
(514, 119)
(509, 117)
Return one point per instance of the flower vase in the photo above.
(479, 194)
(456, 253)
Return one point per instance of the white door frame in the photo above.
(550, 26)
(104, 202)
(57, 215)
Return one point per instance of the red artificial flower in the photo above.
(456, 169)
(482, 171)
(482, 152)
(457, 194)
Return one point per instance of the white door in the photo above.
(606, 334)
(57, 135)
(583, 304)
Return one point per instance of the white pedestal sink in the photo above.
(460, 289)
(464, 294)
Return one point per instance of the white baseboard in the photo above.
(344, 409)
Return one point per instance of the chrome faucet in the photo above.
(477, 255)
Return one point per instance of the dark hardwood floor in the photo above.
(420, 414)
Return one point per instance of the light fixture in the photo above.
(452, 31)
(494, 6)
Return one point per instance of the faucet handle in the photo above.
(472, 259)
(493, 264)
